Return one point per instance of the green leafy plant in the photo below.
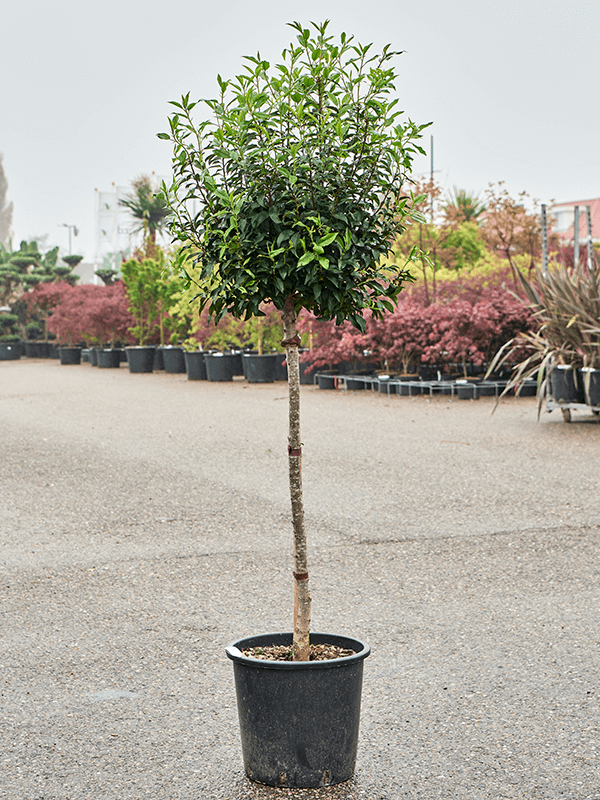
(142, 279)
(301, 171)
(147, 208)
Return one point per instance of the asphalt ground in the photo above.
(144, 525)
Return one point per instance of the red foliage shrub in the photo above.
(470, 322)
(95, 314)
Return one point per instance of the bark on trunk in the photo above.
(301, 642)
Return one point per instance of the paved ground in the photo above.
(144, 525)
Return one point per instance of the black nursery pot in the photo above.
(591, 385)
(37, 350)
(259, 369)
(70, 355)
(173, 359)
(10, 351)
(108, 359)
(195, 366)
(140, 359)
(219, 366)
(299, 720)
(566, 385)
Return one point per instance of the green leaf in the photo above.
(306, 259)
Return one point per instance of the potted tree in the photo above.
(263, 334)
(301, 174)
(142, 279)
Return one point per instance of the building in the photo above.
(562, 216)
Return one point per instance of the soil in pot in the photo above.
(299, 720)
(195, 365)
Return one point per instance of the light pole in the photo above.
(75, 232)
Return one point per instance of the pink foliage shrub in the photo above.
(95, 314)
(470, 322)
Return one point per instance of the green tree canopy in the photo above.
(301, 172)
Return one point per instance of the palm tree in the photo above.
(146, 207)
(463, 206)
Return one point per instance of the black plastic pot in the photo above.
(306, 378)
(219, 366)
(37, 349)
(109, 359)
(195, 366)
(70, 355)
(467, 391)
(591, 385)
(173, 359)
(259, 369)
(299, 720)
(385, 386)
(159, 361)
(237, 364)
(566, 385)
(281, 373)
(354, 384)
(10, 351)
(140, 359)
(327, 381)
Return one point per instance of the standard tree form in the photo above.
(291, 192)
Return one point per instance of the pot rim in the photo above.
(234, 651)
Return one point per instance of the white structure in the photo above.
(115, 239)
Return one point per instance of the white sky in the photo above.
(510, 85)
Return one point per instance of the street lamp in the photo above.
(75, 232)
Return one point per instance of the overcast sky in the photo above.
(510, 85)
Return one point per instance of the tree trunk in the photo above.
(291, 340)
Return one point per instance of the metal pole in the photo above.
(431, 179)
(544, 241)
(576, 238)
(590, 244)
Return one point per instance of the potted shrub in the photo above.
(10, 341)
(142, 279)
(263, 334)
(566, 304)
(300, 172)
(108, 322)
